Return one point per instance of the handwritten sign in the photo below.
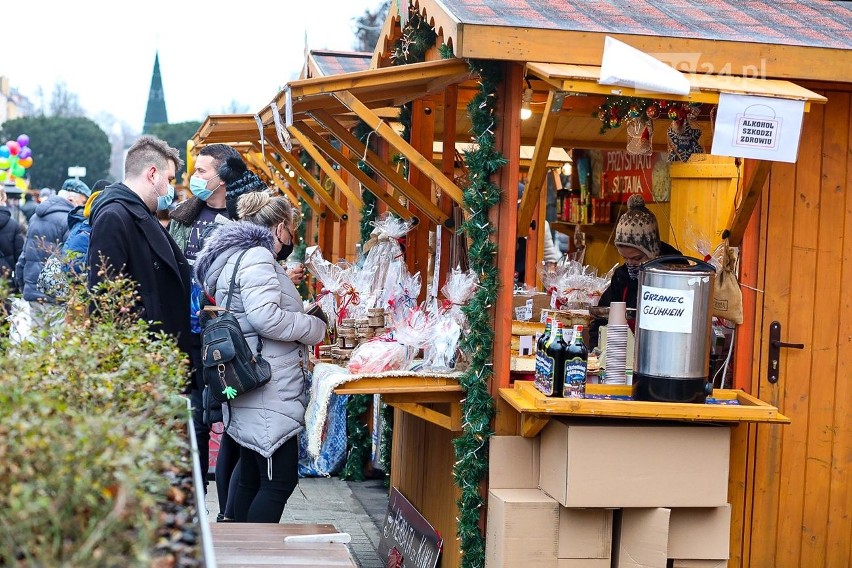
(763, 128)
(408, 540)
(624, 174)
(662, 309)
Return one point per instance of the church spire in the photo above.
(156, 112)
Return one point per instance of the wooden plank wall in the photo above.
(798, 491)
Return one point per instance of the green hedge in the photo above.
(94, 450)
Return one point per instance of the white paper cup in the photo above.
(617, 313)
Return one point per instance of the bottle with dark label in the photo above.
(576, 362)
(539, 349)
(553, 364)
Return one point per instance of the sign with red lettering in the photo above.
(624, 174)
(408, 540)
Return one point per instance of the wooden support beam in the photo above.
(326, 167)
(382, 168)
(448, 166)
(417, 252)
(314, 183)
(429, 415)
(352, 168)
(416, 159)
(538, 169)
(303, 195)
(254, 158)
(751, 195)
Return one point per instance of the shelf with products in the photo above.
(569, 228)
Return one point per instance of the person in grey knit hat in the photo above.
(637, 238)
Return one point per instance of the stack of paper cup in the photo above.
(616, 344)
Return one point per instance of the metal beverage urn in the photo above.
(673, 320)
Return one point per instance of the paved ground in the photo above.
(357, 508)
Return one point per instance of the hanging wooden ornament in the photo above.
(640, 132)
(684, 140)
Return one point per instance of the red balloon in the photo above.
(14, 147)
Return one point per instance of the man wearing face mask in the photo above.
(128, 239)
(219, 177)
(637, 238)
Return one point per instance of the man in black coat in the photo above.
(128, 238)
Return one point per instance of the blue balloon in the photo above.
(4, 151)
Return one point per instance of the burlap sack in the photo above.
(727, 295)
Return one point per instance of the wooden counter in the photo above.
(536, 409)
(411, 394)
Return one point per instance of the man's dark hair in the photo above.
(219, 152)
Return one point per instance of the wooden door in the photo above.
(797, 499)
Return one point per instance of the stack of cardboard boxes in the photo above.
(602, 494)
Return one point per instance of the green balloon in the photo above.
(18, 170)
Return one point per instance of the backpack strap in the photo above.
(231, 295)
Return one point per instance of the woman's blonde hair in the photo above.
(262, 208)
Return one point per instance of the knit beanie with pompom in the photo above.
(638, 228)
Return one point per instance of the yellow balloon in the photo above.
(26, 162)
(21, 183)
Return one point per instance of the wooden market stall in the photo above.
(788, 219)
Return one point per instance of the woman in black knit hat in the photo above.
(637, 238)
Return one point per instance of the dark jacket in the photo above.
(76, 246)
(181, 219)
(132, 240)
(47, 231)
(11, 242)
(622, 288)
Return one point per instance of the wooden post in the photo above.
(422, 136)
(505, 218)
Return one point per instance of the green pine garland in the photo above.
(471, 447)
(357, 438)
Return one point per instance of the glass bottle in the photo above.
(555, 353)
(576, 363)
(539, 349)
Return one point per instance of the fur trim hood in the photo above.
(226, 240)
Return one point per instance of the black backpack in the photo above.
(230, 367)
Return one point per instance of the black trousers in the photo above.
(202, 432)
(227, 475)
(260, 499)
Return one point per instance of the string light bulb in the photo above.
(526, 112)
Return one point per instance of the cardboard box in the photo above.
(702, 534)
(641, 538)
(700, 564)
(513, 462)
(613, 465)
(582, 563)
(522, 529)
(585, 533)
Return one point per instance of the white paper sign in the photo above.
(763, 128)
(662, 309)
(627, 66)
(525, 312)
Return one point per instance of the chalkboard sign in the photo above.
(408, 540)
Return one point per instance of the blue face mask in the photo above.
(163, 201)
(198, 187)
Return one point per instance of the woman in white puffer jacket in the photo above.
(264, 422)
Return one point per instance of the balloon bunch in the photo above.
(15, 157)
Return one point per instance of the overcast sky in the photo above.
(213, 53)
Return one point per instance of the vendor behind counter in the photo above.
(637, 238)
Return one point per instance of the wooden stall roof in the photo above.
(703, 88)
(780, 39)
(323, 63)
